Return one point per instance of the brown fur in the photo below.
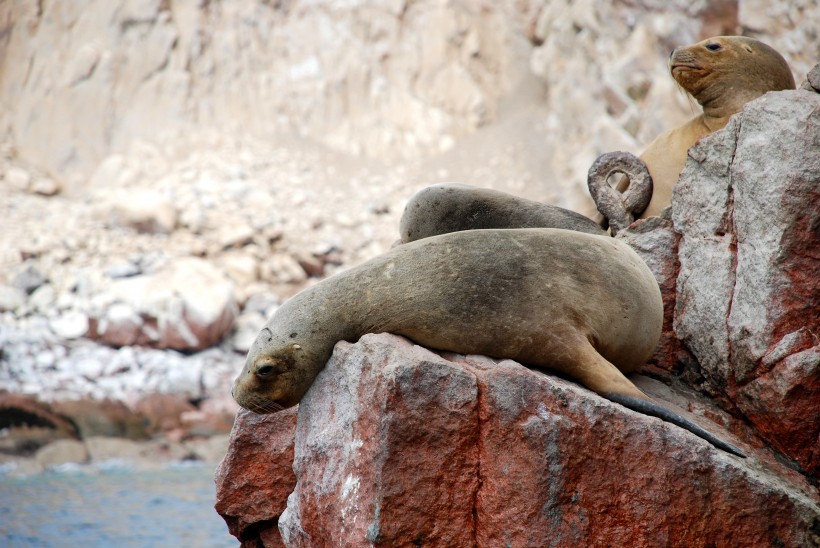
(577, 303)
(453, 207)
(722, 80)
(543, 297)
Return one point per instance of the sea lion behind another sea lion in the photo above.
(453, 207)
(580, 304)
(723, 74)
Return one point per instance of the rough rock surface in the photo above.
(748, 304)
(253, 484)
(396, 445)
(656, 241)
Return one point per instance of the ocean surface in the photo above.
(112, 506)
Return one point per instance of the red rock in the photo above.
(747, 299)
(396, 446)
(254, 479)
(655, 240)
(559, 468)
(783, 406)
(375, 471)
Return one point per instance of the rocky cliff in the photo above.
(395, 79)
(170, 171)
(229, 153)
(395, 445)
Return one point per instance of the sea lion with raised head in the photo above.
(453, 207)
(722, 73)
(577, 303)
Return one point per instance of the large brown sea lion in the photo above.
(577, 303)
(723, 74)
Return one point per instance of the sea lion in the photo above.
(573, 302)
(723, 74)
(453, 207)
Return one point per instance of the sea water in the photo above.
(112, 506)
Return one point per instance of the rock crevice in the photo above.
(747, 302)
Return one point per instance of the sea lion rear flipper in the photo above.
(601, 376)
(648, 407)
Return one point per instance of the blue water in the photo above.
(120, 507)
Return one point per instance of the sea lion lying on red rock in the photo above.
(577, 303)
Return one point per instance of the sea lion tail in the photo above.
(650, 408)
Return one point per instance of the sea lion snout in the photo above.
(272, 378)
(257, 388)
(683, 60)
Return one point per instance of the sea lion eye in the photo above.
(713, 47)
(265, 371)
(270, 366)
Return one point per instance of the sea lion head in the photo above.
(724, 73)
(276, 374)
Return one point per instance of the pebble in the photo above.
(28, 279)
(45, 187)
(236, 236)
(247, 328)
(42, 299)
(18, 178)
(89, 368)
(123, 270)
(11, 298)
(71, 325)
